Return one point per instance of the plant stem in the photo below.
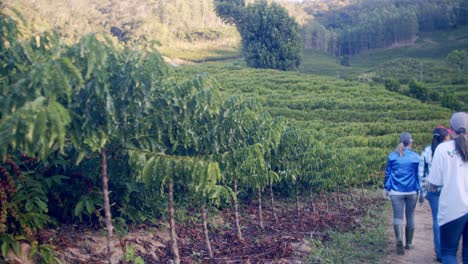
(205, 231)
(236, 212)
(260, 207)
(297, 200)
(312, 201)
(326, 202)
(107, 211)
(175, 248)
(273, 203)
(338, 198)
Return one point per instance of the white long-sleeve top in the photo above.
(449, 171)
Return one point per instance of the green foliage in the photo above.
(350, 125)
(130, 256)
(418, 90)
(44, 253)
(87, 205)
(231, 11)
(449, 100)
(365, 25)
(344, 60)
(133, 24)
(392, 85)
(8, 241)
(25, 190)
(38, 128)
(458, 58)
(270, 38)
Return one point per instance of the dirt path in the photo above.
(423, 252)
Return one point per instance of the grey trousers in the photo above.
(404, 204)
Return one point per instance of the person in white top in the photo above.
(449, 170)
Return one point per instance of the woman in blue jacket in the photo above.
(402, 186)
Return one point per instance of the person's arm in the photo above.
(436, 173)
(421, 171)
(388, 171)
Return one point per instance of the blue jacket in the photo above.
(401, 174)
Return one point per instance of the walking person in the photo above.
(402, 186)
(439, 135)
(450, 172)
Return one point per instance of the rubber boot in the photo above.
(399, 241)
(409, 232)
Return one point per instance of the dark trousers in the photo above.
(433, 198)
(450, 234)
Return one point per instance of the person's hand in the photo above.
(421, 198)
(386, 194)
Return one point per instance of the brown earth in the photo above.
(423, 252)
(278, 243)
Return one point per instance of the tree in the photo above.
(293, 158)
(270, 37)
(418, 90)
(392, 85)
(458, 58)
(449, 100)
(88, 95)
(231, 11)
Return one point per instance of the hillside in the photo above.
(425, 59)
(361, 120)
(105, 137)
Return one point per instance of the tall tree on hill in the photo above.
(270, 37)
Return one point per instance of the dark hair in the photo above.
(461, 144)
(438, 137)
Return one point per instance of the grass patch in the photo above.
(202, 54)
(367, 245)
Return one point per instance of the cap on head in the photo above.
(459, 122)
(406, 137)
(441, 132)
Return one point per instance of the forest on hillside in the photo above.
(338, 27)
(110, 154)
(377, 24)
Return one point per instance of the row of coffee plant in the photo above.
(100, 134)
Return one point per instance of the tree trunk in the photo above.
(260, 212)
(205, 231)
(312, 204)
(236, 212)
(326, 202)
(107, 211)
(175, 248)
(297, 201)
(338, 199)
(362, 191)
(273, 203)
